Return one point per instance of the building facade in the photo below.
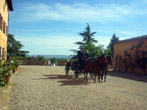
(5, 7)
(131, 55)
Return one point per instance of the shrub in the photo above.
(6, 68)
(41, 58)
(5, 72)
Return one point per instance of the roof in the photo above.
(10, 5)
(133, 39)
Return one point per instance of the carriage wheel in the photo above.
(76, 73)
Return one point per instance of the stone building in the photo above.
(5, 7)
(131, 55)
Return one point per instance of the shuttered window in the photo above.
(0, 22)
(4, 27)
(7, 31)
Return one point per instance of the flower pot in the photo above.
(14, 70)
(7, 80)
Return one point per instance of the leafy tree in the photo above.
(91, 48)
(96, 51)
(24, 53)
(14, 46)
(88, 44)
(100, 50)
(108, 52)
(41, 58)
(88, 37)
(54, 60)
(111, 44)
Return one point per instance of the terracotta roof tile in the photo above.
(133, 39)
(10, 5)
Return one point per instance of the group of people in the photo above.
(81, 55)
(80, 59)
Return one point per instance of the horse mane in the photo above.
(97, 59)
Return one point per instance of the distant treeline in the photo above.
(54, 56)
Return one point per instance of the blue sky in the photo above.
(51, 27)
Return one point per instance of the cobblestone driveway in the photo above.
(47, 88)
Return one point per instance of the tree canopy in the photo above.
(14, 47)
(96, 51)
(88, 43)
(112, 41)
(87, 36)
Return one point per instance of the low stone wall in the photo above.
(29, 62)
(61, 63)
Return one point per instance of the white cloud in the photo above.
(78, 12)
(128, 33)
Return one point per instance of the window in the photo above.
(125, 53)
(1, 19)
(4, 27)
(7, 31)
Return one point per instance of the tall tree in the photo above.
(14, 46)
(88, 37)
(112, 41)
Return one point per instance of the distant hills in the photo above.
(54, 56)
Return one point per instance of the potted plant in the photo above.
(5, 73)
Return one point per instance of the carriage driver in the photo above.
(87, 55)
(80, 55)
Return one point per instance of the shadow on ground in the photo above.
(73, 82)
(65, 80)
(131, 76)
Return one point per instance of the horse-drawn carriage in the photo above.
(97, 67)
(74, 66)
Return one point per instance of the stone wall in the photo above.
(29, 62)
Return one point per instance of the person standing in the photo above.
(49, 63)
(80, 55)
(87, 55)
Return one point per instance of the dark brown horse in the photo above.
(95, 67)
(105, 68)
(88, 67)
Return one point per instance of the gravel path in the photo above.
(47, 88)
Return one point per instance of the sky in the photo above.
(51, 27)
